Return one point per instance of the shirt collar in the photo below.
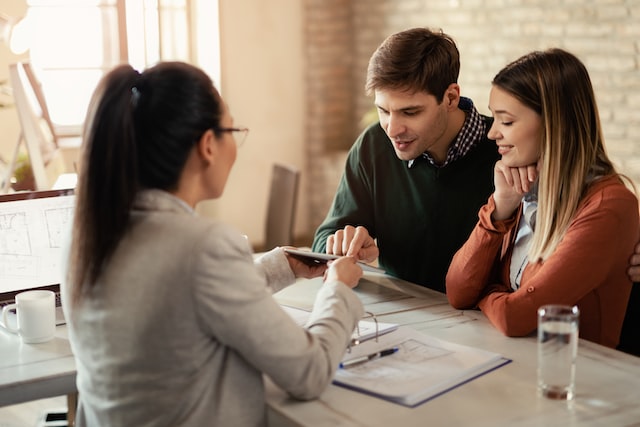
(469, 136)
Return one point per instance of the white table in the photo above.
(35, 371)
(607, 381)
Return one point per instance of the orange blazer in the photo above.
(588, 268)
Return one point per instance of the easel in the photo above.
(5, 184)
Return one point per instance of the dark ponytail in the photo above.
(138, 134)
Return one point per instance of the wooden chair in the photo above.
(281, 210)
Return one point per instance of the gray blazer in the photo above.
(182, 324)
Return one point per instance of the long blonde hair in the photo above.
(557, 86)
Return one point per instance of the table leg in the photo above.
(72, 404)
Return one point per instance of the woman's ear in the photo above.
(207, 147)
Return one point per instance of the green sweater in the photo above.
(421, 215)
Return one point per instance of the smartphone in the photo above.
(314, 258)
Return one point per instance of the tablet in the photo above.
(311, 258)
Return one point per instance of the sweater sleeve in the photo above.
(471, 273)
(353, 202)
(593, 252)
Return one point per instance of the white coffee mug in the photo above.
(36, 315)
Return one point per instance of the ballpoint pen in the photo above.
(363, 359)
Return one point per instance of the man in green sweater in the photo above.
(415, 181)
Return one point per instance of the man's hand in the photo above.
(634, 265)
(355, 242)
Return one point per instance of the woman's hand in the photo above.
(308, 269)
(511, 184)
(345, 270)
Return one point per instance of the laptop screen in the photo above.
(33, 226)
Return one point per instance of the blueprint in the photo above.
(32, 233)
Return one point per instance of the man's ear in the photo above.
(452, 95)
(207, 146)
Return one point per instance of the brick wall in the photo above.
(342, 34)
(330, 97)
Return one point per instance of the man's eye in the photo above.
(410, 113)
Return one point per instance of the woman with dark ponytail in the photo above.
(170, 320)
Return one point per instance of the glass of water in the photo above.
(557, 350)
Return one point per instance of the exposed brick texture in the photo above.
(342, 34)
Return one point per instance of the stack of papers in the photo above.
(403, 365)
(418, 367)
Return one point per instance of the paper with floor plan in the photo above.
(422, 368)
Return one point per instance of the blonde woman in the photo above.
(561, 223)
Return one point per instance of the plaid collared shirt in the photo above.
(472, 132)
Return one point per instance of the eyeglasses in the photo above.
(243, 130)
(364, 331)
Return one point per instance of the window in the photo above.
(74, 42)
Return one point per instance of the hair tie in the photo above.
(135, 96)
(135, 91)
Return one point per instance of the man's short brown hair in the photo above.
(418, 59)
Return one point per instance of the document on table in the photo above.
(420, 368)
(365, 330)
